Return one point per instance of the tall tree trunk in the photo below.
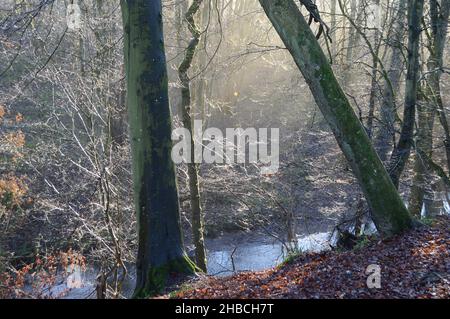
(187, 111)
(353, 38)
(425, 144)
(439, 20)
(79, 44)
(388, 211)
(180, 10)
(385, 136)
(426, 114)
(374, 75)
(444, 123)
(160, 250)
(402, 149)
(333, 29)
(201, 86)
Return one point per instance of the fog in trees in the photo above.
(148, 144)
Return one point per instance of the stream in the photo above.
(228, 254)
(225, 257)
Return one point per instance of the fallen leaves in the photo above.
(413, 265)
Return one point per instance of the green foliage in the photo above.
(429, 221)
(185, 287)
(290, 258)
(362, 242)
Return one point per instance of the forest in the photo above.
(230, 149)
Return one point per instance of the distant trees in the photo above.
(160, 248)
(388, 211)
(225, 65)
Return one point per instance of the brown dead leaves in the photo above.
(413, 265)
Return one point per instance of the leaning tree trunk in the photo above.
(160, 250)
(388, 211)
(402, 149)
(186, 109)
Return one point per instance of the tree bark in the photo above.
(374, 77)
(186, 109)
(402, 150)
(333, 29)
(439, 21)
(385, 136)
(425, 144)
(160, 250)
(388, 211)
(356, 14)
(426, 114)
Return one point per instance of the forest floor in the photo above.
(413, 265)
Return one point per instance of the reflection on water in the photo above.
(446, 207)
(81, 284)
(259, 257)
(224, 259)
(73, 284)
(439, 205)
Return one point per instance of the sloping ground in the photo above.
(413, 265)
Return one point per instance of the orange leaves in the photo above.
(413, 265)
(71, 259)
(12, 191)
(15, 139)
(19, 118)
(265, 287)
(2, 112)
(433, 247)
(40, 275)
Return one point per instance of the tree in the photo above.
(402, 149)
(356, 15)
(431, 102)
(388, 210)
(385, 136)
(160, 249)
(439, 24)
(186, 110)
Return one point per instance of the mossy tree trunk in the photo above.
(388, 211)
(187, 111)
(160, 250)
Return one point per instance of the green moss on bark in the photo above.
(388, 210)
(157, 277)
(160, 246)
